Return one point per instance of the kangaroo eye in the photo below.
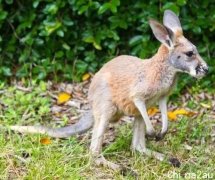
(189, 53)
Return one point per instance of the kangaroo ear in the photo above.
(171, 21)
(162, 34)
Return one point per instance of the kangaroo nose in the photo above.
(202, 69)
(206, 69)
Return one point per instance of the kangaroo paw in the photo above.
(102, 161)
(175, 162)
(159, 137)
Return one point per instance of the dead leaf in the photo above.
(152, 111)
(86, 77)
(24, 89)
(63, 97)
(74, 103)
(69, 88)
(45, 141)
(205, 105)
(56, 109)
(187, 147)
(58, 114)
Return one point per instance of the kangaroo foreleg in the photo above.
(139, 144)
(163, 109)
(138, 141)
(141, 106)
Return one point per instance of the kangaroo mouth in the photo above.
(201, 71)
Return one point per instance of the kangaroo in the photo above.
(127, 85)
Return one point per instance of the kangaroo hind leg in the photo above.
(102, 118)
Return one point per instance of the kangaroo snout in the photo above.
(201, 70)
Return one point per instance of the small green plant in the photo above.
(24, 107)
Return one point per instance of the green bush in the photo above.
(62, 40)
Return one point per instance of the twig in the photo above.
(14, 31)
(23, 88)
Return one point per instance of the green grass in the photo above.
(24, 157)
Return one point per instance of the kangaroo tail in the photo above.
(85, 123)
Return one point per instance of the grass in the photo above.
(25, 157)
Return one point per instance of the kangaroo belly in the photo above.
(126, 107)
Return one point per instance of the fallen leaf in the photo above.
(172, 115)
(63, 97)
(45, 141)
(184, 112)
(56, 109)
(76, 104)
(180, 111)
(24, 89)
(86, 77)
(205, 105)
(152, 111)
(69, 88)
(58, 114)
(187, 147)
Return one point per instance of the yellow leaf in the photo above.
(63, 97)
(184, 112)
(85, 77)
(45, 141)
(181, 112)
(152, 111)
(172, 116)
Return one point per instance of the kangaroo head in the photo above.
(183, 55)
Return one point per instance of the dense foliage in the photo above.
(65, 39)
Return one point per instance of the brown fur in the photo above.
(178, 33)
(128, 76)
